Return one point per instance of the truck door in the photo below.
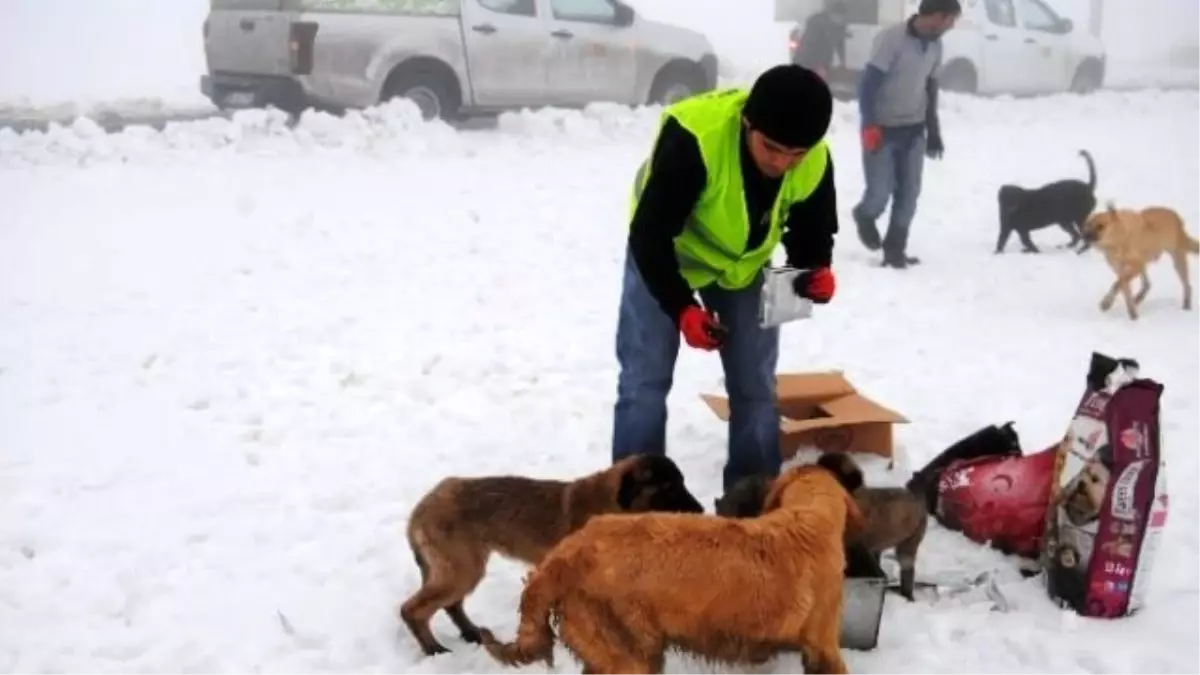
(1009, 54)
(1051, 58)
(508, 44)
(594, 57)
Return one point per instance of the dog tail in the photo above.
(535, 639)
(1087, 156)
(1193, 246)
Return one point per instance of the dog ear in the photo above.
(845, 468)
(629, 488)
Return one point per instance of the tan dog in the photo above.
(456, 527)
(625, 588)
(1131, 240)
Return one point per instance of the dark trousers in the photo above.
(647, 346)
(894, 172)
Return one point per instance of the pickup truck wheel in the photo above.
(959, 77)
(674, 82)
(1087, 78)
(432, 91)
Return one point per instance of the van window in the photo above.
(1001, 13)
(263, 5)
(1035, 16)
(862, 12)
(515, 7)
(594, 11)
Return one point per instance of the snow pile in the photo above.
(397, 128)
(389, 128)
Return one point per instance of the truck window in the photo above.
(1036, 16)
(1001, 13)
(865, 12)
(592, 11)
(517, 7)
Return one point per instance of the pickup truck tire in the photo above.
(1088, 77)
(960, 77)
(428, 83)
(676, 80)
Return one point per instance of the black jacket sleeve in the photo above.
(932, 123)
(811, 224)
(677, 178)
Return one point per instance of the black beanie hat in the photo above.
(791, 105)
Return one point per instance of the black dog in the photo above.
(1066, 203)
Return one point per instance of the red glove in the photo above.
(872, 138)
(700, 328)
(817, 285)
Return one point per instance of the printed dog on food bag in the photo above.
(1131, 240)
(625, 588)
(894, 518)
(455, 528)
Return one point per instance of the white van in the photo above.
(1015, 47)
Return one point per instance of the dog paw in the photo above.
(434, 649)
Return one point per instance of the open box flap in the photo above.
(861, 408)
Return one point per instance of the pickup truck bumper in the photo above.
(235, 90)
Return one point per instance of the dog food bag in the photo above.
(998, 500)
(1108, 502)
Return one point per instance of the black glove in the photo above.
(934, 148)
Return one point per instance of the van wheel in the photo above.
(675, 81)
(428, 84)
(959, 77)
(1087, 78)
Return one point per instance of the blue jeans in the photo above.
(647, 346)
(894, 171)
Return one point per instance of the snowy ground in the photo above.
(234, 354)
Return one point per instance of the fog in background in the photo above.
(98, 50)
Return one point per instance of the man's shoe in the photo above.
(868, 234)
(899, 261)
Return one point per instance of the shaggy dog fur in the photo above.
(1066, 203)
(894, 518)
(1131, 240)
(626, 588)
(456, 526)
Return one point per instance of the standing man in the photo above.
(732, 175)
(898, 105)
(823, 38)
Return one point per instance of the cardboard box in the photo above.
(825, 411)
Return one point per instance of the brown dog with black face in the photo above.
(455, 528)
(895, 518)
(626, 588)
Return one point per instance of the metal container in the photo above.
(862, 611)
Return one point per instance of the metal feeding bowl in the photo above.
(862, 611)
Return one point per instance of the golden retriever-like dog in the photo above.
(894, 518)
(625, 588)
(456, 527)
(1131, 240)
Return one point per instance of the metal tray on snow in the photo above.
(862, 611)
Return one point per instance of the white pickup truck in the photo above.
(1015, 47)
(453, 58)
